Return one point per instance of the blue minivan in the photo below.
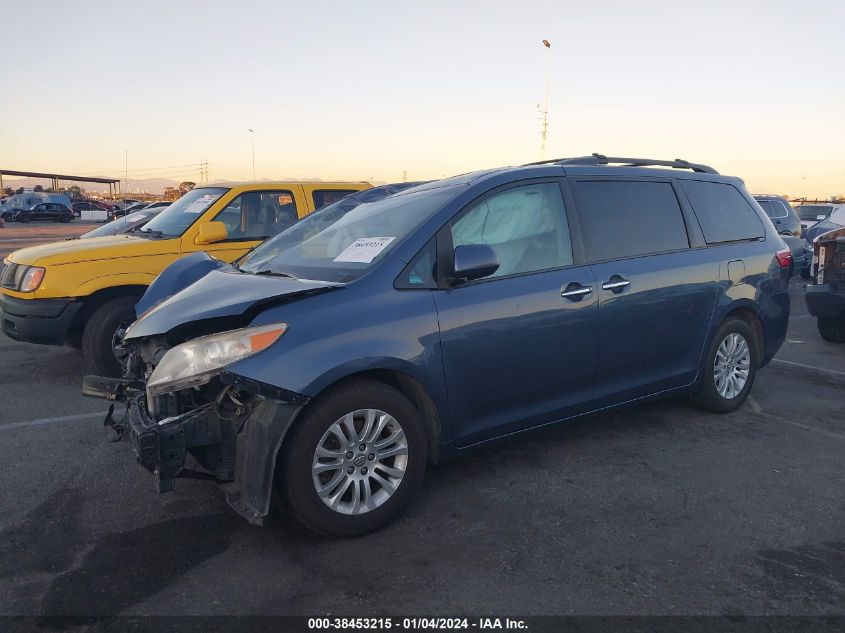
(342, 356)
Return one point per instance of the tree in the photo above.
(19, 190)
(38, 188)
(171, 193)
(186, 186)
(75, 191)
(8, 191)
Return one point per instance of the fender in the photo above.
(178, 276)
(113, 281)
(260, 441)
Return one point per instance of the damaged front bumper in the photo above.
(239, 453)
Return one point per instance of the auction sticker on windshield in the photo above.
(364, 249)
(201, 204)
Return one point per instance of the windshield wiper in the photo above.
(273, 273)
(152, 232)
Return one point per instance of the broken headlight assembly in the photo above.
(195, 362)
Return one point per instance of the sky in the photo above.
(389, 90)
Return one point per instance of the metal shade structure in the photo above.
(113, 183)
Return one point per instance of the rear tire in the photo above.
(99, 332)
(717, 393)
(298, 481)
(832, 329)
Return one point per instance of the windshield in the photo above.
(812, 211)
(175, 219)
(121, 225)
(339, 244)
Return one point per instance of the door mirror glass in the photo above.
(211, 232)
(475, 261)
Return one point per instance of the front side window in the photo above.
(179, 216)
(723, 212)
(256, 215)
(526, 226)
(630, 218)
(421, 272)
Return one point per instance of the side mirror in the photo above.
(475, 261)
(211, 232)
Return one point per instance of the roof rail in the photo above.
(601, 159)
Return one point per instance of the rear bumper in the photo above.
(774, 314)
(43, 321)
(825, 301)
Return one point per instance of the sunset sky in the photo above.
(369, 90)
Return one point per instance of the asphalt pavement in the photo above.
(660, 510)
(14, 236)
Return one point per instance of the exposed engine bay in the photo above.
(199, 431)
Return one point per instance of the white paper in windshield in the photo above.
(200, 204)
(364, 249)
(135, 217)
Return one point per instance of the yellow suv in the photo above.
(83, 292)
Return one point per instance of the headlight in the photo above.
(195, 362)
(21, 278)
(31, 279)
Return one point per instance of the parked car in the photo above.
(126, 202)
(162, 204)
(781, 213)
(812, 214)
(446, 316)
(126, 224)
(45, 212)
(89, 205)
(9, 214)
(835, 221)
(83, 292)
(826, 297)
(119, 213)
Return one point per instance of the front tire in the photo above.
(730, 367)
(832, 329)
(354, 460)
(98, 337)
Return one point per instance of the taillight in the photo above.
(784, 258)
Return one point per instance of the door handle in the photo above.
(575, 291)
(615, 284)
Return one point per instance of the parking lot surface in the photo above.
(14, 236)
(661, 509)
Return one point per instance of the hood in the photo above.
(820, 228)
(108, 247)
(178, 276)
(220, 294)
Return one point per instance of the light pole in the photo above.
(545, 129)
(252, 136)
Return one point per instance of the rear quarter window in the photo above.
(630, 218)
(723, 212)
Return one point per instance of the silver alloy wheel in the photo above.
(731, 366)
(360, 461)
